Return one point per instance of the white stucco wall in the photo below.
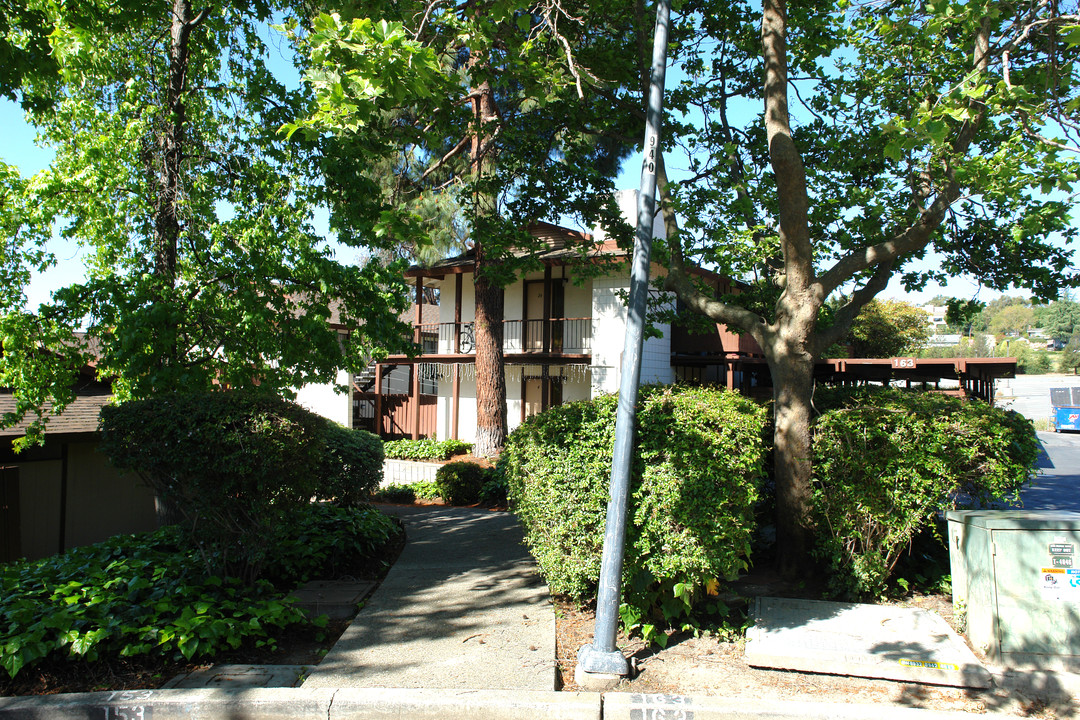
(656, 355)
(579, 390)
(322, 398)
(466, 410)
(608, 333)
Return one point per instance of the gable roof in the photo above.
(78, 418)
(563, 245)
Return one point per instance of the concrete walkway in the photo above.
(463, 607)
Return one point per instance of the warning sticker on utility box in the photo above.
(1060, 583)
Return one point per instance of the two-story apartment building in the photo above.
(563, 333)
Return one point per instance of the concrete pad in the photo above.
(633, 706)
(462, 607)
(875, 641)
(240, 676)
(337, 599)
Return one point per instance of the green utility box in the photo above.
(1016, 573)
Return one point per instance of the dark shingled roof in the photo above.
(80, 417)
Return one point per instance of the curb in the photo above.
(631, 706)
(304, 704)
(382, 703)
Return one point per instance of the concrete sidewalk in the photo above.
(463, 607)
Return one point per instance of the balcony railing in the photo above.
(567, 336)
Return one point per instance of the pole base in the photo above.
(596, 682)
(602, 662)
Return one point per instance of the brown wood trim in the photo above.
(513, 359)
(458, 288)
(547, 314)
(415, 400)
(455, 402)
(378, 399)
(523, 384)
(419, 321)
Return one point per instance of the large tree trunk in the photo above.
(171, 144)
(490, 377)
(789, 348)
(793, 389)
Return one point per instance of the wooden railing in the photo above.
(570, 336)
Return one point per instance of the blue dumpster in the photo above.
(1065, 409)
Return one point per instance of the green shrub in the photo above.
(698, 466)
(425, 449)
(395, 493)
(330, 542)
(407, 493)
(237, 466)
(886, 462)
(426, 490)
(495, 489)
(352, 466)
(460, 483)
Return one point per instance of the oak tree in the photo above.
(886, 131)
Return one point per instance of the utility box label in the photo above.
(1060, 583)
(1061, 549)
(1061, 561)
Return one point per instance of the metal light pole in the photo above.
(602, 657)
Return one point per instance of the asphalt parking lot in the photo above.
(1058, 485)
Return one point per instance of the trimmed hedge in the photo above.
(698, 467)
(460, 483)
(239, 465)
(352, 466)
(886, 462)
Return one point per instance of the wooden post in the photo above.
(456, 396)
(416, 366)
(455, 390)
(457, 313)
(547, 320)
(378, 400)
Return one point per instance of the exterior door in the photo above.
(534, 396)
(539, 311)
(10, 545)
(534, 316)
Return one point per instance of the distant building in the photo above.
(936, 318)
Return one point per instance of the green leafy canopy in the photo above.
(160, 143)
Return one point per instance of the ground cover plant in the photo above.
(146, 597)
(406, 493)
(425, 449)
(887, 462)
(698, 468)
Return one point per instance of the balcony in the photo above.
(560, 336)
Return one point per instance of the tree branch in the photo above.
(918, 234)
(784, 156)
(678, 278)
(462, 144)
(846, 315)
